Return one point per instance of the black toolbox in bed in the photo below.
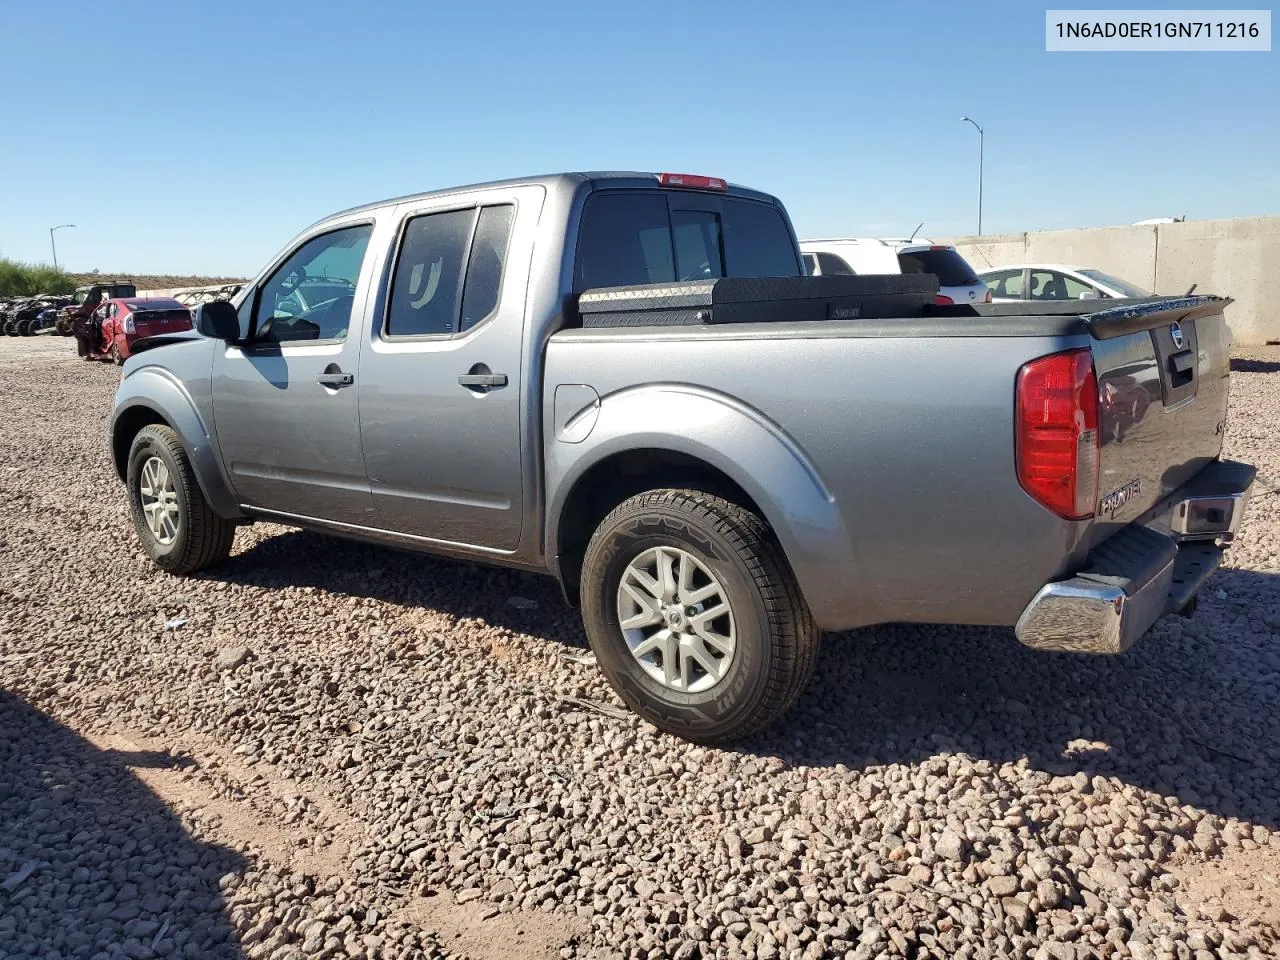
(759, 300)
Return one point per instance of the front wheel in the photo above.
(694, 615)
(116, 356)
(177, 528)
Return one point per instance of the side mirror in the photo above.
(219, 320)
(1089, 295)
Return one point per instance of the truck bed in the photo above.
(909, 441)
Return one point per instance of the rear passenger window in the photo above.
(1007, 283)
(449, 273)
(485, 266)
(427, 285)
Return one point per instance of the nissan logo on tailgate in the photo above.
(1175, 331)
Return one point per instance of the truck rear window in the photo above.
(951, 269)
(631, 237)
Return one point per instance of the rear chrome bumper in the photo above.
(1142, 572)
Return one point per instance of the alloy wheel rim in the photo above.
(159, 500)
(676, 619)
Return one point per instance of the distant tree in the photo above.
(19, 279)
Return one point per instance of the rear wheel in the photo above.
(178, 529)
(694, 615)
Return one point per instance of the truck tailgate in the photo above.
(1162, 372)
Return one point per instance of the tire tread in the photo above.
(209, 536)
(796, 637)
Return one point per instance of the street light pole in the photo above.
(53, 243)
(981, 146)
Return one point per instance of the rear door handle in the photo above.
(483, 379)
(336, 379)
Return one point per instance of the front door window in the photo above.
(311, 295)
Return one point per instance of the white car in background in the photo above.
(957, 281)
(1055, 281)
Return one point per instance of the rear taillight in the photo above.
(692, 181)
(1057, 432)
(943, 301)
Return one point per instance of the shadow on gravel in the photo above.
(526, 602)
(1191, 711)
(91, 861)
(1246, 365)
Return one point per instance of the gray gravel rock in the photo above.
(411, 737)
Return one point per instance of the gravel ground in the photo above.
(323, 749)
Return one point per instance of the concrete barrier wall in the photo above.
(1236, 258)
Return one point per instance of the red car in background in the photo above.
(124, 320)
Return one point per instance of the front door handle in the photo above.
(336, 379)
(483, 379)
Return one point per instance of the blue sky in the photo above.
(227, 127)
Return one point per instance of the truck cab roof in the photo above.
(611, 179)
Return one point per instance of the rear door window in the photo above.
(427, 285)
(448, 275)
(951, 269)
(1006, 283)
(485, 265)
(1054, 285)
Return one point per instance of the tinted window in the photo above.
(629, 238)
(951, 269)
(484, 268)
(162, 316)
(311, 294)
(697, 241)
(833, 266)
(810, 264)
(757, 242)
(625, 239)
(427, 285)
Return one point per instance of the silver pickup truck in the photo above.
(427, 373)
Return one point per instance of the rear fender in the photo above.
(151, 394)
(744, 445)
